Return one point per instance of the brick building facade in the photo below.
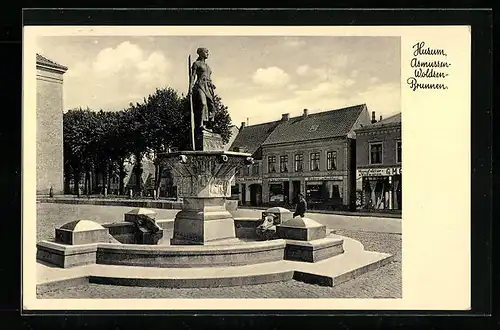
(49, 125)
(378, 162)
(312, 154)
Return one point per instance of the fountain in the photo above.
(218, 249)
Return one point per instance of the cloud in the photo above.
(354, 73)
(115, 77)
(385, 99)
(271, 77)
(374, 80)
(349, 82)
(303, 69)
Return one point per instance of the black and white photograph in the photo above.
(236, 166)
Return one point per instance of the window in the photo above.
(255, 169)
(331, 160)
(376, 153)
(314, 161)
(299, 163)
(247, 170)
(398, 152)
(283, 164)
(313, 128)
(271, 162)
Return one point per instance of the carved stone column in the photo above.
(204, 182)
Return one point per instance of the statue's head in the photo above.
(202, 52)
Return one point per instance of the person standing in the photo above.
(301, 206)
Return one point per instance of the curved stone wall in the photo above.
(191, 256)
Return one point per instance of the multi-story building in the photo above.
(49, 126)
(248, 181)
(312, 153)
(378, 161)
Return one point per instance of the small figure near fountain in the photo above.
(301, 208)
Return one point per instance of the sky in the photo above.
(257, 77)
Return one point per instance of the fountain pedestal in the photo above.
(204, 182)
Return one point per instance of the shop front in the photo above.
(381, 188)
(279, 191)
(324, 192)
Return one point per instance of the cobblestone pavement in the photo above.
(384, 282)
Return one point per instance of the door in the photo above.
(243, 193)
(255, 194)
(286, 192)
(295, 191)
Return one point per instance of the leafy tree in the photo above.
(222, 120)
(101, 142)
(78, 138)
(163, 114)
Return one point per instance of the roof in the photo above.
(45, 61)
(394, 119)
(234, 133)
(328, 124)
(251, 137)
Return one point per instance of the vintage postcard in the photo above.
(211, 167)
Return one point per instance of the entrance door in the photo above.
(286, 192)
(243, 193)
(295, 191)
(255, 194)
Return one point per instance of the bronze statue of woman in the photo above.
(202, 91)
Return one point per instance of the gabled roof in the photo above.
(251, 137)
(46, 62)
(328, 124)
(394, 119)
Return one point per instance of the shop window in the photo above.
(331, 160)
(283, 164)
(299, 163)
(276, 193)
(271, 164)
(376, 153)
(398, 152)
(314, 166)
(255, 169)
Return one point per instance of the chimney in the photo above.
(285, 116)
(242, 125)
(306, 113)
(373, 117)
(380, 118)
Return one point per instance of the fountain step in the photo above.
(329, 272)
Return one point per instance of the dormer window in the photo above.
(313, 128)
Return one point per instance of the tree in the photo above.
(78, 140)
(222, 120)
(164, 125)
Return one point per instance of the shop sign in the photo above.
(387, 171)
(322, 178)
(252, 180)
(277, 179)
